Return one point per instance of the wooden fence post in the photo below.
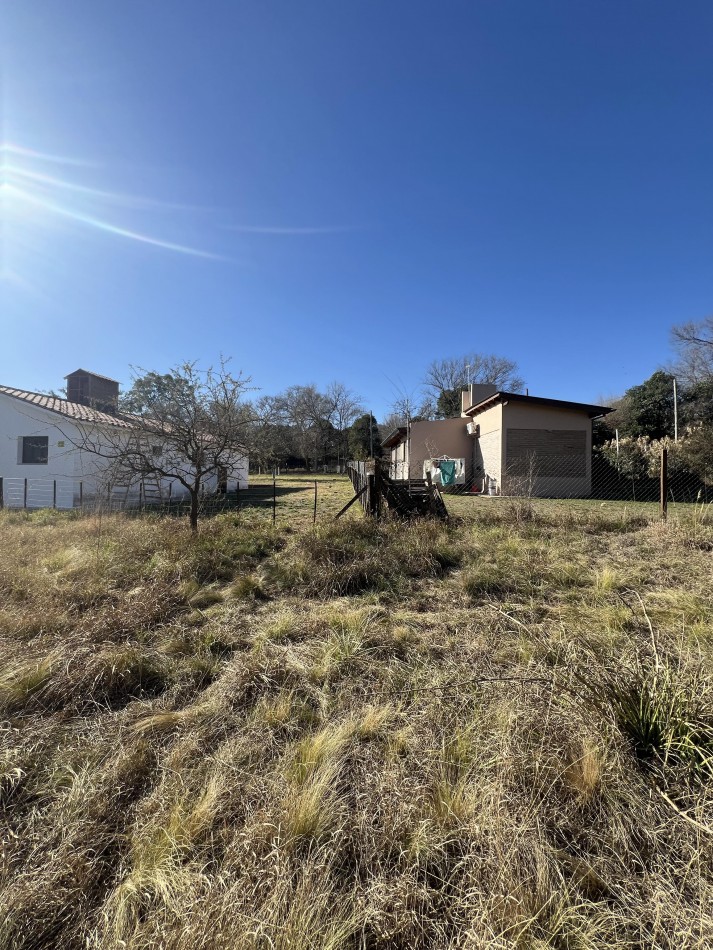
(2, 495)
(314, 516)
(664, 483)
(274, 498)
(371, 493)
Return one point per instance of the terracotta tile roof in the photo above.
(71, 410)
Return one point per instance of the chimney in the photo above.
(90, 389)
(476, 393)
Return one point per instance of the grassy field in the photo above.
(294, 497)
(496, 732)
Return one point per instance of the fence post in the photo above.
(664, 482)
(81, 495)
(274, 498)
(2, 495)
(54, 493)
(371, 493)
(314, 516)
(24, 497)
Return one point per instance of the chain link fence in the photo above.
(297, 499)
(284, 499)
(647, 473)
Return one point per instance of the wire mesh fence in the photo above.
(288, 499)
(649, 474)
(303, 499)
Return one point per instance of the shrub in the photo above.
(664, 711)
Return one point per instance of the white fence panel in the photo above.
(40, 493)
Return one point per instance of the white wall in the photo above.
(66, 465)
(63, 466)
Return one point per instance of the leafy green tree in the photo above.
(150, 389)
(649, 409)
(697, 451)
(364, 441)
(448, 403)
(697, 403)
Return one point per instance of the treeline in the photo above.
(672, 408)
(304, 427)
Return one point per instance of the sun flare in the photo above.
(39, 199)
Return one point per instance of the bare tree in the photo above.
(192, 425)
(693, 342)
(446, 378)
(271, 437)
(345, 406)
(391, 422)
(457, 373)
(307, 412)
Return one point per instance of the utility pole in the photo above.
(675, 411)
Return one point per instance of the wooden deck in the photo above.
(376, 491)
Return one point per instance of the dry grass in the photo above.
(496, 733)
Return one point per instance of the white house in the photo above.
(41, 465)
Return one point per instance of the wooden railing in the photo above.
(375, 490)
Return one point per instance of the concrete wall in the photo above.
(520, 415)
(489, 448)
(476, 393)
(440, 437)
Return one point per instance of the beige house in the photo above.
(504, 443)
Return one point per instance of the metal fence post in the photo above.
(81, 495)
(314, 516)
(2, 495)
(274, 498)
(24, 497)
(664, 482)
(54, 493)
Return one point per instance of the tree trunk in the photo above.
(193, 515)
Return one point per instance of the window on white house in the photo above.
(34, 449)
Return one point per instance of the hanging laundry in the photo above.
(448, 471)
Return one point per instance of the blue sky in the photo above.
(348, 189)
